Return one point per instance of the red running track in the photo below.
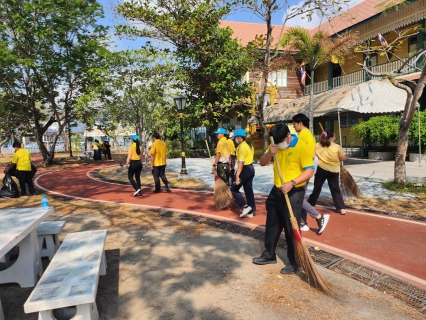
(392, 245)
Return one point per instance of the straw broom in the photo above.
(347, 183)
(302, 252)
(222, 195)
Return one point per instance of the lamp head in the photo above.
(180, 102)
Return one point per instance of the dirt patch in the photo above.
(163, 266)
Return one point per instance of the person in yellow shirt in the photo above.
(297, 167)
(134, 164)
(158, 153)
(301, 124)
(222, 156)
(231, 144)
(244, 175)
(329, 156)
(22, 160)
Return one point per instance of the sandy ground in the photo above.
(166, 266)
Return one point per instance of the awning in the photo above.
(374, 96)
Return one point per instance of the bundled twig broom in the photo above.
(347, 183)
(302, 252)
(222, 195)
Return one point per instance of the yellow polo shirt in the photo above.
(223, 148)
(293, 161)
(307, 137)
(132, 149)
(328, 157)
(22, 160)
(245, 153)
(231, 146)
(159, 150)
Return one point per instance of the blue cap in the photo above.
(240, 133)
(220, 131)
(135, 137)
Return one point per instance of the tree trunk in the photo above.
(401, 153)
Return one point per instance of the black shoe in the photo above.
(261, 260)
(289, 269)
(157, 191)
(168, 189)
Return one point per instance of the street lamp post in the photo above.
(180, 102)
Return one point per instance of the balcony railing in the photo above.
(358, 77)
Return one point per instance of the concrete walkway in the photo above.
(384, 243)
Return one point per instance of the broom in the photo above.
(222, 195)
(347, 183)
(302, 252)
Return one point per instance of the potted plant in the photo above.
(378, 132)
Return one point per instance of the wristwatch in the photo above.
(293, 183)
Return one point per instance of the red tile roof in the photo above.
(350, 17)
(246, 32)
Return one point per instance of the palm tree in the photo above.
(316, 50)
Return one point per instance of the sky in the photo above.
(241, 15)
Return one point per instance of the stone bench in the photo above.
(86, 155)
(48, 240)
(72, 277)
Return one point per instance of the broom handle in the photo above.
(287, 200)
(210, 156)
(208, 149)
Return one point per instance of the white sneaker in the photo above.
(343, 212)
(136, 193)
(304, 228)
(246, 211)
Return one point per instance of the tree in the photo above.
(316, 50)
(133, 94)
(413, 89)
(47, 49)
(272, 55)
(211, 63)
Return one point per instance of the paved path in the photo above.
(392, 245)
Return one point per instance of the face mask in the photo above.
(283, 145)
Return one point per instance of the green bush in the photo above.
(380, 130)
(413, 133)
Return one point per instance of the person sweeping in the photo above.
(329, 155)
(297, 166)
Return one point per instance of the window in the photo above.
(412, 43)
(373, 60)
(278, 78)
(226, 123)
(239, 121)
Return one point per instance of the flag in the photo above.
(382, 40)
(302, 76)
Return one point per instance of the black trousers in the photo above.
(25, 177)
(333, 182)
(135, 169)
(278, 217)
(159, 172)
(246, 181)
(96, 154)
(222, 170)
